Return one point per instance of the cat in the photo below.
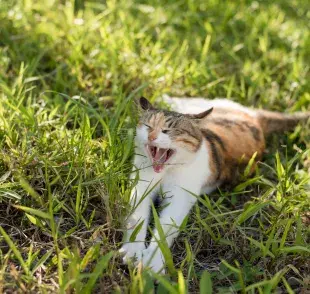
(188, 154)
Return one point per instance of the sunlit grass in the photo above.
(65, 156)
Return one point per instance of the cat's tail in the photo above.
(280, 122)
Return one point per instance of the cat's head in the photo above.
(168, 137)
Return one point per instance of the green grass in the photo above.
(65, 156)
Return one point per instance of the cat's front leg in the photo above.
(177, 207)
(140, 202)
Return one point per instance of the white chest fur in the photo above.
(181, 182)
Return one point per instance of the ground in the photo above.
(65, 155)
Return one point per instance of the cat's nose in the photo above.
(152, 136)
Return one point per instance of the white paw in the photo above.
(130, 250)
(152, 259)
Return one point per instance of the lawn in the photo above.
(66, 153)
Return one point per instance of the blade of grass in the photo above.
(162, 243)
(205, 283)
(99, 268)
(33, 211)
(16, 252)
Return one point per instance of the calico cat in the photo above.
(184, 155)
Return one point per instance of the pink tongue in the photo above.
(158, 168)
(159, 160)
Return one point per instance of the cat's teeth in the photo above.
(163, 155)
(159, 156)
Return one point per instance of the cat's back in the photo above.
(235, 126)
(196, 105)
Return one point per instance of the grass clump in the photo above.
(65, 156)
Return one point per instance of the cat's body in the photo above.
(185, 155)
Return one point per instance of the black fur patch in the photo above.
(215, 140)
(242, 125)
(255, 133)
(211, 136)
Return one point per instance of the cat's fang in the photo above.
(159, 156)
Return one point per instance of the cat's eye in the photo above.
(165, 131)
(146, 125)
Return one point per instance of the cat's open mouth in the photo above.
(159, 156)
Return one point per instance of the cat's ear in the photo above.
(201, 114)
(145, 104)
